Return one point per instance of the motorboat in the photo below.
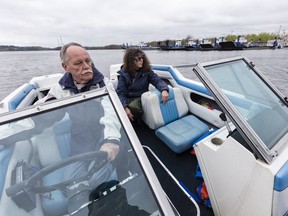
(141, 45)
(225, 125)
(177, 45)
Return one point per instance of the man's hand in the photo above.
(111, 149)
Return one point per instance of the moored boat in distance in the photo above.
(141, 45)
(206, 45)
(191, 45)
(240, 44)
(229, 45)
(173, 47)
(270, 44)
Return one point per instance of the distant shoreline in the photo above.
(7, 48)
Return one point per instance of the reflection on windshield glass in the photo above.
(253, 99)
(74, 160)
(187, 72)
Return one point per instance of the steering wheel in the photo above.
(98, 158)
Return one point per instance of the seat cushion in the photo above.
(54, 203)
(5, 156)
(180, 134)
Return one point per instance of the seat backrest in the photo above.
(157, 114)
(5, 156)
(54, 143)
(62, 131)
(47, 147)
(25, 97)
(30, 98)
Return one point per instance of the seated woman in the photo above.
(134, 79)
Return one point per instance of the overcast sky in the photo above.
(105, 22)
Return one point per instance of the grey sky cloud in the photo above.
(98, 23)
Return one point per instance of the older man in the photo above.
(81, 76)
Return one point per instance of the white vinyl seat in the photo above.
(171, 121)
(53, 145)
(26, 97)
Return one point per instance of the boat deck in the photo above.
(182, 166)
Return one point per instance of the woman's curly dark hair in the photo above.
(129, 64)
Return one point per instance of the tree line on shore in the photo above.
(262, 37)
(39, 48)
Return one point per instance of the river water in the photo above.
(19, 67)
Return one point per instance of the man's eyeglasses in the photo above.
(139, 58)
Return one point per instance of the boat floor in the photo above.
(182, 166)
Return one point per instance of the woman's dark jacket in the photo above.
(129, 88)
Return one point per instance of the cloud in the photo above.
(97, 23)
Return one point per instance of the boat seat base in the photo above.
(181, 134)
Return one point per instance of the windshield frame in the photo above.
(248, 133)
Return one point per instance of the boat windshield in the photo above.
(255, 107)
(53, 161)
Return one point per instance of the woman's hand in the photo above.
(129, 114)
(165, 95)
